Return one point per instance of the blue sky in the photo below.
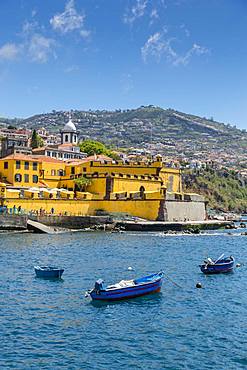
(189, 55)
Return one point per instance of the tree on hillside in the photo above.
(36, 140)
(92, 147)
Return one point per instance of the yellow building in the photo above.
(83, 187)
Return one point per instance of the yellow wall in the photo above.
(7, 173)
(132, 184)
(131, 168)
(13, 170)
(141, 208)
(172, 179)
(49, 173)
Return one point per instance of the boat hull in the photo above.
(49, 274)
(217, 268)
(127, 293)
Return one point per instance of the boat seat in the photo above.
(125, 283)
(122, 284)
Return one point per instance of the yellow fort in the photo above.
(88, 186)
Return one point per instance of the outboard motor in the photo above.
(99, 285)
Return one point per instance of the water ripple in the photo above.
(49, 325)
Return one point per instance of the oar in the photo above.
(173, 282)
(219, 258)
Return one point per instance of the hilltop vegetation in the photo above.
(223, 189)
(164, 131)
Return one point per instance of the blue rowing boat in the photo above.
(126, 288)
(219, 266)
(48, 272)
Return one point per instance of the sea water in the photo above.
(50, 325)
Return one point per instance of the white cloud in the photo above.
(70, 20)
(158, 46)
(195, 50)
(85, 34)
(186, 31)
(153, 15)
(40, 48)
(71, 69)
(137, 11)
(9, 51)
(29, 27)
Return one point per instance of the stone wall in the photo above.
(72, 222)
(184, 211)
(13, 222)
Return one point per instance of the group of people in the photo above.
(16, 210)
(42, 212)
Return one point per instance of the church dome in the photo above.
(69, 127)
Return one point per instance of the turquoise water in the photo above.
(50, 325)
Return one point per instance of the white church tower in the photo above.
(69, 134)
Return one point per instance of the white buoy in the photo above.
(130, 268)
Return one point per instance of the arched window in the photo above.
(66, 138)
(74, 138)
(142, 190)
(18, 177)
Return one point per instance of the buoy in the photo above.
(238, 264)
(130, 268)
(198, 285)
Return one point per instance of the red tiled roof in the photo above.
(19, 156)
(32, 158)
(66, 145)
(44, 158)
(39, 149)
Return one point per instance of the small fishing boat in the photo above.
(126, 288)
(48, 272)
(221, 265)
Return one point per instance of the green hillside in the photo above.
(223, 189)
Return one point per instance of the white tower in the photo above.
(69, 134)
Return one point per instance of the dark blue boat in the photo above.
(48, 272)
(126, 288)
(219, 266)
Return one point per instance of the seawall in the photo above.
(72, 222)
(173, 226)
(13, 222)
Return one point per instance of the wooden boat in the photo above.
(48, 272)
(126, 288)
(221, 265)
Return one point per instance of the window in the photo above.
(26, 166)
(18, 177)
(60, 173)
(74, 138)
(6, 165)
(26, 178)
(35, 166)
(48, 153)
(72, 170)
(54, 154)
(84, 169)
(35, 179)
(18, 165)
(66, 138)
(53, 172)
